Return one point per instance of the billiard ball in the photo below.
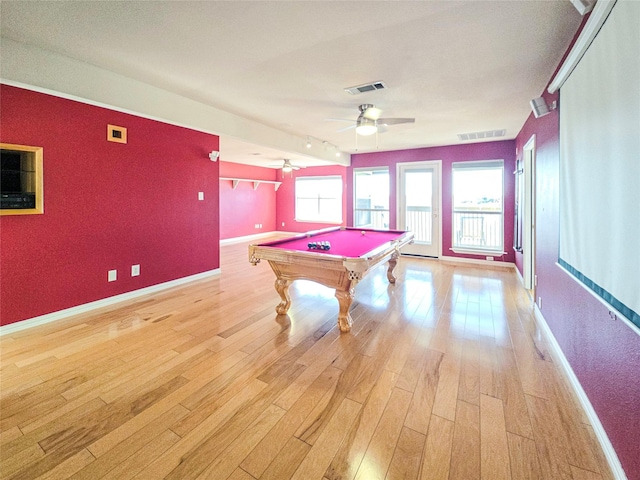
(362, 232)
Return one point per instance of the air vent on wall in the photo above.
(367, 87)
(481, 135)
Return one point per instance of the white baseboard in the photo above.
(476, 261)
(605, 443)
(105, 302)
(519, 275)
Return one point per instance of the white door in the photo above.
(418, 199)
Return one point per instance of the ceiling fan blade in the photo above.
(337, 120)
(395, 121)
(346, 128)
(372, 113)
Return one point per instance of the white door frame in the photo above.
(436, 218)
(529, 220)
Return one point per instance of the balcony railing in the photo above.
(372, 218)
(472, 229)
(418, 220)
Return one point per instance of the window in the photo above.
(478, 206)
(371, 198)
(319, 199)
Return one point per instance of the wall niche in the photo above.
(21, 190)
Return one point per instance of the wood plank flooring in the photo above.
(444, 375)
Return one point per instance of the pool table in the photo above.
(353, 252)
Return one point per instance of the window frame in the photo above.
(477, 249)
(319, 219)
(355, 192)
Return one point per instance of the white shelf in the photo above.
(256, 183)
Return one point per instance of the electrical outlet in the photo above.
(135, 270)
(535, 280)
(112, 275)
(490, 259)
(540, 303)
(283, 224)
(200, 195)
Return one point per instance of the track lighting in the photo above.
(326, 146)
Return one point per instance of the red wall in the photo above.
(502, 150)
(242, 208)
(107, 205)
(285, 198)
(604, 353)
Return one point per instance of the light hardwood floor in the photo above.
(443, 376)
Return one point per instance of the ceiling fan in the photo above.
(369, 121)
(286, 166)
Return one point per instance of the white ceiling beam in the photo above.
(38, 69)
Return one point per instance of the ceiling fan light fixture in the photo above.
(286, 166)
(366, 126)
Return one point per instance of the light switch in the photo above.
(200, 195)
(112, 275)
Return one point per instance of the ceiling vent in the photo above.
(367, 87)
(480, 135)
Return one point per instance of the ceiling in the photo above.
(455, 66)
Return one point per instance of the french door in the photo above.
(418, 200)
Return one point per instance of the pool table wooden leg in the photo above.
(393, 261)
(282, 287)
(344, 300)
